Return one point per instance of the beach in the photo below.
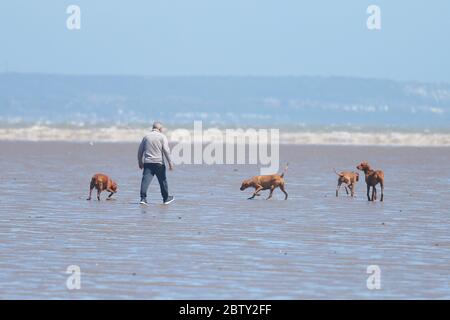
(213, 243)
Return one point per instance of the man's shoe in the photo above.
(169, 200)
(144, 202)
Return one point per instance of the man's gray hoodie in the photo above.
(154, 148)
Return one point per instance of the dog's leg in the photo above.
(110, 194)
(374, 193)
(284, 191)
(352, 189)
(271, 192)
(346, 190)
(338, 187)
(98, 194)
(368, 192)
(382, 189)
(91, 187)
(258, 189)
(90, 194)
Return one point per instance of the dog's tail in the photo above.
(285, 170)
(339, 174)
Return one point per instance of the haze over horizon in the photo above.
(175, 76)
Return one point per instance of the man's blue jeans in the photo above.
(151, 169)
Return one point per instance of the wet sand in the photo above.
(212, 242)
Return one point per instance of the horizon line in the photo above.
(3, 73)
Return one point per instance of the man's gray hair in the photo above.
(157, 125)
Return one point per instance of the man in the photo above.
(152, 151)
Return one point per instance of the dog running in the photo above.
(266, 182)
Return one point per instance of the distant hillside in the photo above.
(221, 100)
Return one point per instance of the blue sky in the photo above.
(232, 37)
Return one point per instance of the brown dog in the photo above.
(373, 177)
(102, 182)
(349, 179)
(266, 182)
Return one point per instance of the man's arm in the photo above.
(166, 152)
(141, 153)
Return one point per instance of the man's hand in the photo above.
(170, 166)
(141, 166)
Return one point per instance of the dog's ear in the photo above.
(362, 165)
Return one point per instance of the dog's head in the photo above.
(245, 184)
(114, 187)
(363, 166)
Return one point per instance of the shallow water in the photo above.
(212, 242)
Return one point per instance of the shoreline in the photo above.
(283, 144)
(330, 138)
(286, 144)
